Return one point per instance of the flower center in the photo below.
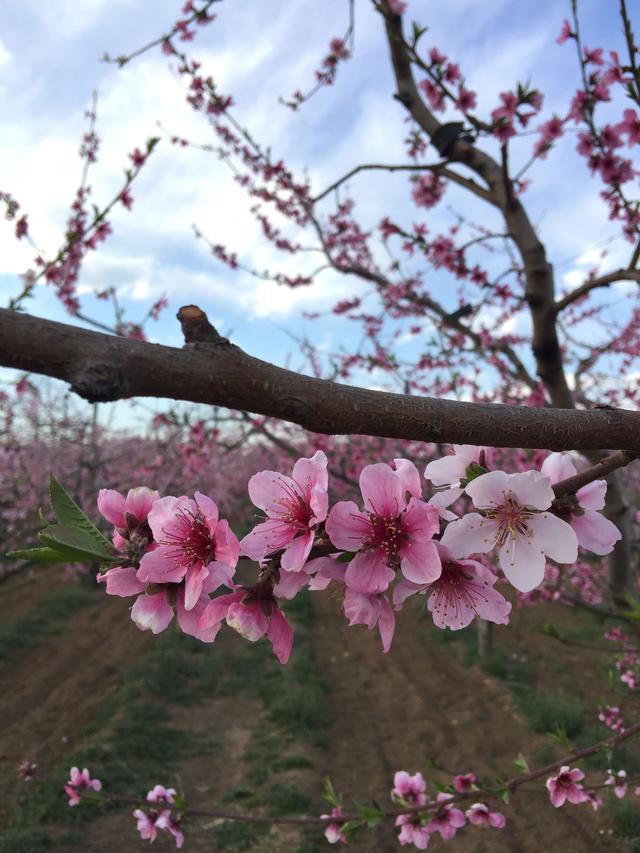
(511, 518)
(194, 544)
(386, 533)
(296, 508)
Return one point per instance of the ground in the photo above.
(227, 725)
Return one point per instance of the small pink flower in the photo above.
(479, 815)
(192, 544)
(391, 533)
(515, 522)
(371, 610)
(397, 6)
(619, 782)
(160, 794)
(333, 831)
(128, 515)
(447, 820)
(253, 613)
(409, 788)
(294, 507)
(149, 822)
(80, 780)
(464, 782)
(565, 786)
(565, 32)
(412, 831)
(464, 590)
(451, 469)
(595, 532)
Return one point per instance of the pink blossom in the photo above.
(371, 610)
(464, 782)
(467, 99)
(463, 591)
(397, 6)
(565, 32)
(450, 470)
(149, 822)
(565, 786)
(391, 533)
(128, 515)
(80, 780)
(412, 831)
(631, 126)
(294, 506)
(595, 532)
(619, 782)
(447, 820)
(479, 815)
(410, 789)
(192, 544)
(515, 522)
(253, 613)
(333, 831)
(428, 190)
(160, 794)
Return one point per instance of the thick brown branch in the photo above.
(593, 283)
(102, 368)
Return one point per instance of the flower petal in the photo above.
(523, 563)
(347, 526)
(368, 572)
(152, 613)
(382, 489)
(471, 534)
(595, 532)
(420, 562)
(121, 581)
(296, 553)
(555, 537)
(281, 635)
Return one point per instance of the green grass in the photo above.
(132, 741)
(48, 617)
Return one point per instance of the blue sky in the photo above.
(50, 64)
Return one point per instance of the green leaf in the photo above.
(350, 827)
(346, 557)
(550, 630)
(505, 795)
(39, 555)
(69, 513)
(521, 763)
(75, 544)
(330, 794)
(371, 815)
(474, 470)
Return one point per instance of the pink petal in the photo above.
(219, 574)
(523, 563)
(291, 583)
(166, 518)
(281, 635)
(555, 537)
(420, 561)
(151, 612)
(217, 609)
(121, 581)
(272, 535)
(532, 489)
(386, 624)
(312, 472)
(368, 572)
(227, 545)
(382, 489)
(471, 534)
(193, 585)
(595, 532)
(266, 490)
(347, 526)
(489, 490)
(449, 469)
(592, 495)
(208, 508)
(361, 609)
(248, 620)
(409, 477)
(189, 620)
(403, 590)
(296, 553)
(319, 503)
(558, 466)
(140, 500)
(111, 505)
(420, 519)
(160, 566)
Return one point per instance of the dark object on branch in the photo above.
(447, 135)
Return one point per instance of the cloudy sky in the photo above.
(50, 63)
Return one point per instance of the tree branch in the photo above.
(103, 368)
(593, 283)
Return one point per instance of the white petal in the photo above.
(471, 534)
(555, 537)
(523, 563)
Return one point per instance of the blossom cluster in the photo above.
(176, 552)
